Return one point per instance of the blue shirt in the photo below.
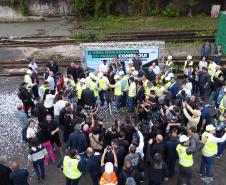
(220, 96)
(19, 177)
(205, 114)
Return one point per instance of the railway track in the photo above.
(171, 36)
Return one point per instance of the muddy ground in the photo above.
(12, 146)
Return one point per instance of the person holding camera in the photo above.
(109, 170)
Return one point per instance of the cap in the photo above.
(171, 75)
(121, 73)
(100, 75)
(83, 80)
(183, 138)
(170, 57)
(135, 73)
(168, 78)
(116, 77)
(29, 71)
(210, 127)
(189, 57)
(109, 168)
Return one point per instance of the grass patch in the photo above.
(138, 23)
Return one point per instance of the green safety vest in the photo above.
(70, 168)
(185, 160)
(210, 148)
(132, 90)
(118, 89)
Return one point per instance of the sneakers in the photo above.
(207, 179)
(219, 156)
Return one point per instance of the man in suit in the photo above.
(88, 97)
(140, 92)
(174, 88)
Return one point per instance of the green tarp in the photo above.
(221, 31)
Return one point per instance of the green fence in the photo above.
(221, 31)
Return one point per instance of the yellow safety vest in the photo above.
(70, 168)
(132, 90)
(217, 74)
(118, 89)
(103, 83)
(159, 90)
(211, 70)
(210, 148)
(222, 105)
(28, 80)
(168, 84)
(186, 62)
(169, 63)
(185, 160)
(93, 88)
(79, 90)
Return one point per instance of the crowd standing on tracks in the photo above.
(162, 121)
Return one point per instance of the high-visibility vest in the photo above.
(93, 88)
(210, 148)
(28, 80)
(103, 83)
(185, 160)
(79, 90)
(105, 180)
(211, 70)
(186, 64)
(132, 90)
(70, 168)
(217, 73)
(169, 63)
(125, 79)
(168, 84)
(159, 90)
(222, 103)
(118, 89)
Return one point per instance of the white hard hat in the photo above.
(183, 138)
(135, 73)
(210, 128)
(171, 75)
(189, 57)
(130, 62)
(85, 127)
(121, 73)
(116, 77)
(109, 168)
(29, 71)
(100, 75)
(170, 57)
(91, 75)
(168, 78)
(83, 80)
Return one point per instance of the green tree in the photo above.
(191, 4)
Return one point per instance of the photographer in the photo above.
(109, 171)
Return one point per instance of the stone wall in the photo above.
(49, 8)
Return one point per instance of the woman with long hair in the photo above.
(48, 101)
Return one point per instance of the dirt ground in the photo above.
(12, 146)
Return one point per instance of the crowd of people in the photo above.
(167, 120)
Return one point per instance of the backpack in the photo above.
(129, 179)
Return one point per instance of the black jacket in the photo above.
(4, 175)
(87, 97)
(53, 67)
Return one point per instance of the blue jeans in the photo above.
(39, 167)
(130, 104)
(206, 168)
(220, 148)
(118, 102)
(103, 94)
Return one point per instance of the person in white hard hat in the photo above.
(109, 170)
(117, 92)
(169, 61)
(185, 154)
(28, 79)
(103, 83)
(80, 86)
(209, 152)
(129, 67)
(188, 63)
(104, 67)
(156, 68)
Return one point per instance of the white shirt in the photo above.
(48, 103)
(218, 140)
(34, 67)
(140, 147)
(31, 132)
(103, 68)
(50, 79)
(202, 64)
(58, 106)
(156, 70)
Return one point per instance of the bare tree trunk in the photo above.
(190, 12)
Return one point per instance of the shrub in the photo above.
(170, 12)
(85, 36)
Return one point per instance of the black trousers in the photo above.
(184, 173)
(72, 181)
